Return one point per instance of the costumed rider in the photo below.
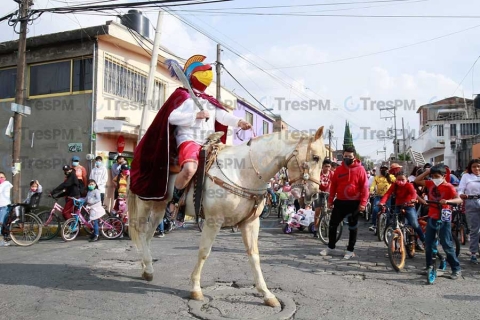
(179, 118)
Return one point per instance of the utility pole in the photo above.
(218, 68)
(149, 103)
(395, 151)
(330, 133)
(404, 146)
(20, 97)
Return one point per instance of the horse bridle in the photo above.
(304, 167)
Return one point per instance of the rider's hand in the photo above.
(330, 206)
(203, 114)
(443, 201)
(244, 125)
(361, 208)
(380, 204)
(463, 196)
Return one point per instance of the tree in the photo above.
(347, 137)
(404, 157)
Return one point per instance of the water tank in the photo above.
(476, 102)
(136, 21)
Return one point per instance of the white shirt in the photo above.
(370, 180)
(100, 175)
(197, 130)
(469, 185)
(5, 188)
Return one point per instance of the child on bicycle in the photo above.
(96, 210)
(443, 192)
(35, 188)
(405, 197)
(5, 188)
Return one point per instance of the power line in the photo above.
(378, 52)
(466, 75)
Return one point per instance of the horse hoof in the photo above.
(196, 295)
(147, 276)
(272, 302)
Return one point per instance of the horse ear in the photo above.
(319, 133)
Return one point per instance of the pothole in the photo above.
(225, 300)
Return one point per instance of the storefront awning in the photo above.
(115, 128)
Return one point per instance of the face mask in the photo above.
(383, 172)
(348, 161)
(2, 180)
(401, 183)
(75, 163)
(98, 164)
(91, 188)
(437, 181)
(126, 172)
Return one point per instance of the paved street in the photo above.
(81, 280)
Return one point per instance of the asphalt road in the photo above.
(82, 280)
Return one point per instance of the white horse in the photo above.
(246, 179)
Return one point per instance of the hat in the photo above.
(65, 168)
(383, 166)
(395, 166)
(124, 167)
(75, 158)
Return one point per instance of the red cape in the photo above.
(149, 172)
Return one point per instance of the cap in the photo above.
(75, 158)
(124, 167)
(65, 167)
(395, 166)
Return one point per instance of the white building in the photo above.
(443, 124)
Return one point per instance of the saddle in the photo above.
(208, 155)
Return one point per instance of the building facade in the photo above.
(262, 124)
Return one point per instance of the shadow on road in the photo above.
(71, 278)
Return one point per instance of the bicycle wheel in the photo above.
(410, 242)
(381, 225)
(324, 226)
(28, 232)
(461, 234)
(267, 210)
(368, 211)
(111, 228)
(51, 226)
(70, 229)
(387, 234)
(457, 246)
(396, 250)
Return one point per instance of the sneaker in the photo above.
(94, 239)
(315, 235)
(443, 265)
(161, 235)
(179, 224)
(331, 252)
(349, 254)
(455, 275)
(419, 248)
(473, 259)
(372, 228)
(4, 243)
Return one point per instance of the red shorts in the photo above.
(189, 151)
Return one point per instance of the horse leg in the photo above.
(250, 230)
(209, 233)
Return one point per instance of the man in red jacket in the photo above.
(349, 188)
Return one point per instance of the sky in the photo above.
(340, 68)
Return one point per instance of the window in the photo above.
(249, 117)
(8, 78)
(440, 130)
(265, 127)
(82, 75)
(124, 81)
(57, 77)
(468, 129)
(453, 130)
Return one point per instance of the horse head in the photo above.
(305, 163)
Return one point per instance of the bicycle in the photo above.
(401, 240)
(24, 228)
(324, 226)
(268, 208)
(383, 217)
(459, 224)
(111, 227)
(51, 221)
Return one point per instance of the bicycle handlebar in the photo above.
(473, 196)
(438, 202)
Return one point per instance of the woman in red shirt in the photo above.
(405, 196)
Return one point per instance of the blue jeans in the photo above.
(446, 240)
(376, 208)
(3, 217)
(412, 219)
(161, 227)
(95, 227)
(274, 197)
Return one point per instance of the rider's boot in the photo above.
(173, 204)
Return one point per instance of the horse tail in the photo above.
(133, 219)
